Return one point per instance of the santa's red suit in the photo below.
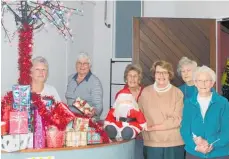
(126, 107)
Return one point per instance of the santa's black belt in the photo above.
(127, 119)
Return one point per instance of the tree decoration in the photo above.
(39, 13)
(30, 15)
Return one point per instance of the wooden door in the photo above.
(170, 39)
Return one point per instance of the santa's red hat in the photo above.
(123, 95)
(125, 90)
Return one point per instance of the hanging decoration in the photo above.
(31, 15)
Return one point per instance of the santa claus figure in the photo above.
(124, 120)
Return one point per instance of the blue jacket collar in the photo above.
(193, 99)
(86, 77)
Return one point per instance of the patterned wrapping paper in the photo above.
(11, 143)
(81, 124)
(22, 101)
(75, 138)
(21, 94)
(82, 105)
(39, 131)
(49, 103)
(18, 122)
(55, 137)
(93, 137)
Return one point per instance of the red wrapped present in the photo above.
(5, 116)
(3, 128)
(19, 122)
(55, 137)
(93, 137)
(61, 116)
(81, 124)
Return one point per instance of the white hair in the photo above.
(204, 69)
(40, 59)
(83, 55)
(185, 61)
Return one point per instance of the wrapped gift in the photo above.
(21, 95)
(39, 131)
(82, 106)
(3, 128)
(5, 116)
(18, 122)
(81, 124)
(55, 137)
(22, 100)
(61, 116)
(69, 126)
(93, 137)
(75, 138)
(26, 141)
(11, 143)
(49, 103)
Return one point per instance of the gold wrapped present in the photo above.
(81, 124)
(75, 138)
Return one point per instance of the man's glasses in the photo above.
(82, 64)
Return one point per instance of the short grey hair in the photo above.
(185, 61)
(40, 59)
(204, 69)
(83, 55)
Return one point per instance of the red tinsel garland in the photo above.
(25, 64)
(25, 51)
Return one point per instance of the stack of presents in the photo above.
(22, 126)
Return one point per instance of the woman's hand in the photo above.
(199, 141)
(204, 149)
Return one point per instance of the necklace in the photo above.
(165, 89)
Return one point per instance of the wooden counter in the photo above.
(115, 150)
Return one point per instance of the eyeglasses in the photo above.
(41, 70)
(203, 81)
(164, 73)
(130, 76)
(82, 64)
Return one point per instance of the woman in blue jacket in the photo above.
(185, 69)
(205, 123)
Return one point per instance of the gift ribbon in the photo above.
(18, 118)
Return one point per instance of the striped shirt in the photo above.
(90, 89)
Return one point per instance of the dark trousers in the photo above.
(176, 152)
(139, 149)
(189, 156)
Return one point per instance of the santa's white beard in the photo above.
(122, 110)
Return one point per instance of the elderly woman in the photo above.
(162, 105)
(185, 69)
(132, 90)
(85, 85)
(39, 74)
(205, 124)
(132, 78)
